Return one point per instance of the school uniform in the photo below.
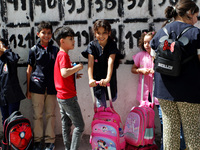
(10, 91)
(101, 65)
(42, 88)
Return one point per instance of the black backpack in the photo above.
(168, 59)
(17, 133)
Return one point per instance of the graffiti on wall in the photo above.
(128, 18)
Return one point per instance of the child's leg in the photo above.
(70, 108)
(102, 101)
(50, 105)
(77, 120)
(161, 125)
(183, 147)
(66, 123)
(4, 113)
(7, 110)
(38, 105)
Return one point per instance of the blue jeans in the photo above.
(71, 114)
(102, 101)
(182, 145)
(7, 110)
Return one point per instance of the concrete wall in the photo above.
(128, 18)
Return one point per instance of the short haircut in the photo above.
(4, 41)
(62, 33)
(44, 25)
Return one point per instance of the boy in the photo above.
(66, 91)
(11, 93)
(40, 86)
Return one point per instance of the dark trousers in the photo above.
(7, 110)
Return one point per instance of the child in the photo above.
(64, 74)
(11, 93)
(40, 86)
(143, 64)
(103, 56)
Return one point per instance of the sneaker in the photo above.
(37, 146)
(49, 146)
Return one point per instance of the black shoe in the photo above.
(37, 146)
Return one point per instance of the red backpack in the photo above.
(17, 133)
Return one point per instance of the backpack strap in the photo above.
(185, 30)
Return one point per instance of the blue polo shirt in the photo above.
(42, 61)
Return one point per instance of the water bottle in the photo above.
(74, 64)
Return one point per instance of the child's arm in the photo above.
(144, 71)
(92, 82)
(65, 72)
(111, 60)
(28, 74)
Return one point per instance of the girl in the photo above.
(179, 97)
(143, 64)
(103, 55)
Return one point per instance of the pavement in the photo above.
(85, 145)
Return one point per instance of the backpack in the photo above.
(168, 59)
(17, 133)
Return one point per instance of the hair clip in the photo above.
(174, 8)
(145, 33)
(153, 32)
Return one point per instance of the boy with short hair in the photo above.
(11, 93)
(66, 92)
(40, 86)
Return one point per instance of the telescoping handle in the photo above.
(142, 90)
(109, 95)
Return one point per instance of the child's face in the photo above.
(147, 39)
(68, 43)
(102, 36)
(45, 36)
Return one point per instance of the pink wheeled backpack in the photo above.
(106, 127)
(139, 128)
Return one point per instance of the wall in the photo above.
(128, 18)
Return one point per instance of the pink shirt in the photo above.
(144, 60)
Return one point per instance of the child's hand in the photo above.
(92, 83)
(144, 71)
(28, 95)
(151, 71)
(79, 75)
(2, 48)
(80, 66)
(103, 82)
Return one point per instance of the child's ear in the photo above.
(109, 33)
(38, 34)
(61, 41)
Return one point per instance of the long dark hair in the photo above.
(141, 40)
(181, 9)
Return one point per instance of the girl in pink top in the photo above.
(143, 64)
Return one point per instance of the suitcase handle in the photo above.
(142, 90)
(109, 95)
